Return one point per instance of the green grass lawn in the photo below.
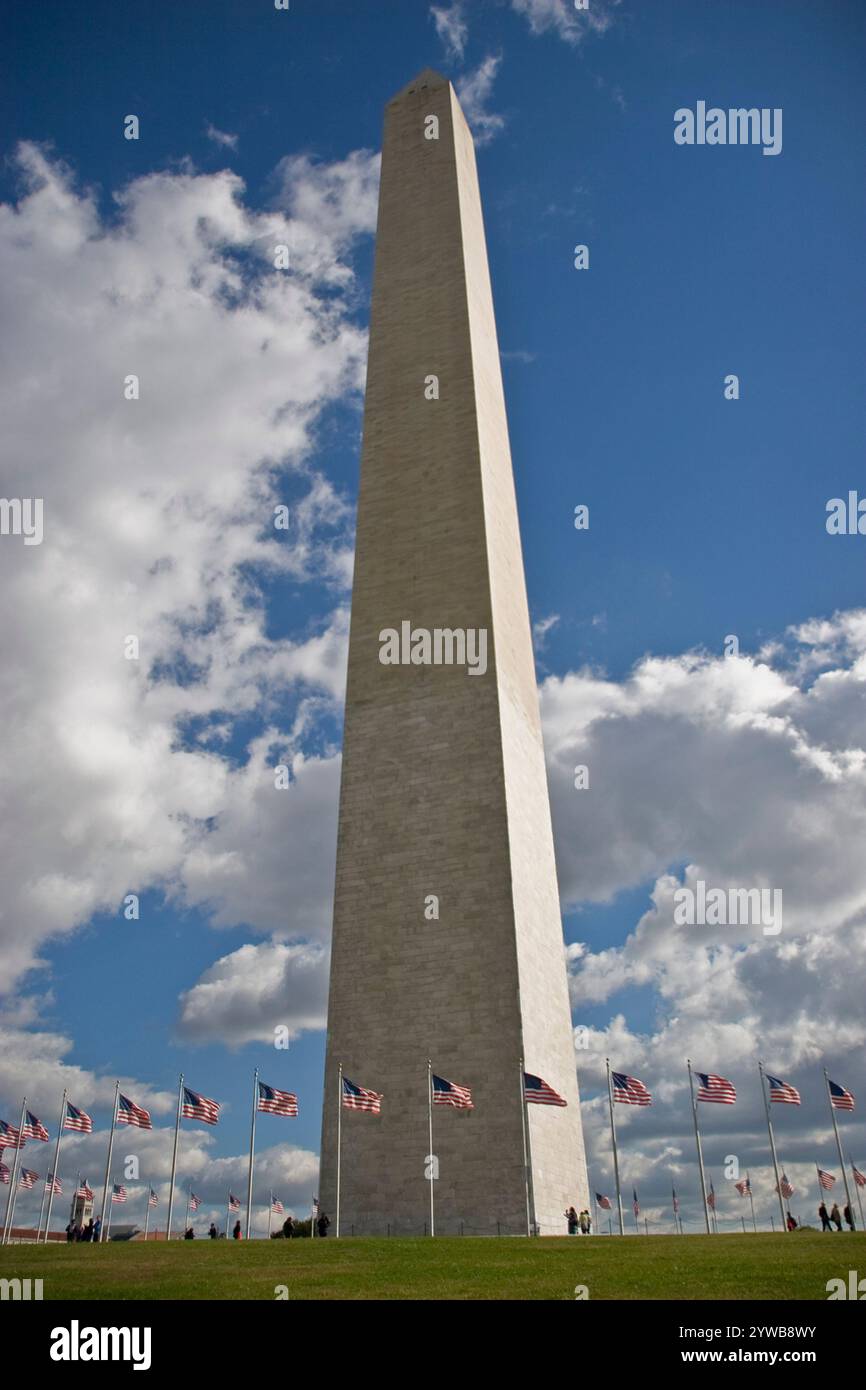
(667, 1267)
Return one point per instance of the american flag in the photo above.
(54, 1185)
(77, 1119)
(840, 1099)
(128, 1113)
(744, 1187)
(276, 1206)
(193, 1202)
(676, 1201)
(538, 1092)
(234, 1202)
(274, 1102)
(10, 1138)
(33, 1128)
(627, 1090)
(449, 1093)
(826, 1179)
(602, 1201)
(153, 1200)
(118, 1193)
(4, 1172)
(196, 1107)
(357, 1098)
(784, 1187)
(27, 1177)
(859, 1177)
(715, 1088)
(711, 1198)
(635, 1205)
(84, 1191)
(783, 1093)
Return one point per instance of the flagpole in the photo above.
(270, 1211)
(859, 1200)
(174, 1158)
(839, 1148)
(228, 1213)
(773, 1148)
(613, 1139)
(752, 1201)
(110, 1211)
(339, 1139)
(56, 1158)
(13, 1179)
(821, 1192)
(249, 1180)
(186, 1218)
(102, 1235)
(527, 1156)
(431, 1160)
(41, 1209)
(147, 1213)
(698, 1143)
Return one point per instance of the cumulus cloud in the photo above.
(474, 90)
(246, 996)
(741, 772)
(451, 27)
(560, 17)
(158, 525)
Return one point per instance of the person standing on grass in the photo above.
(825, 1220)
(288, 1228)
(97, 1228)
(790, 1222)
(213, 1231)
(836, 1216)
(236, 1231)
(571, 1218)
(322, 1225)
(848, 1217)
(584, 1223)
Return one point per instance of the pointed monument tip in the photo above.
(428, 77)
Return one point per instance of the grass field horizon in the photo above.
(725, 1267)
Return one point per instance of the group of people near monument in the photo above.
(76, 1232)
(834, 1217)
(287, 1233)
(579, 1223)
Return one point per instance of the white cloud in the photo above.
(158, 517)
(451, 28)
(562, 19)
(474, 90)
(221, 137)
(245, 996)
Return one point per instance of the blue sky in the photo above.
(707, 515)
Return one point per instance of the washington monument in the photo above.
(447, 941)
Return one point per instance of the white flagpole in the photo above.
(752, 1201)
(431, 1160)
(147, 1213)
(613, 1140)
(228, 1213)
(174, 1159)
(857, 1190)
(339, 1140)
(527, 1156)
(773, 1149)
(110, 1212)
(839, 1148)
(41, 1210)
(186, 1218)
(56, 1160)
(252, 1153)
(270, 1211)
(13, 1179)
(698, 1143)
(102, 1235)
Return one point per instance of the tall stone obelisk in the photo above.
(447, 933)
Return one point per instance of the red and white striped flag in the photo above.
(715, 1088)
(743, 1187)
(359, 1098)
(840, 1099)
(602, 1201)
(538, 1092)
(276, 1206)
(27, 1177)
(781, 1092)
(84, 1191)
(77, 1119)
(194, 1202)
(234, 1202)
(627, 1090)
(128, 1113)
(784, 1187)
(33, 1128)
(449, 1093)
(153, 1200)
(859, 1177)
(9, 1137)
(4, 1172)
(196, 1107)
(118, 1193)
(274, 1102)
(826, 1179)
(54, 1185)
